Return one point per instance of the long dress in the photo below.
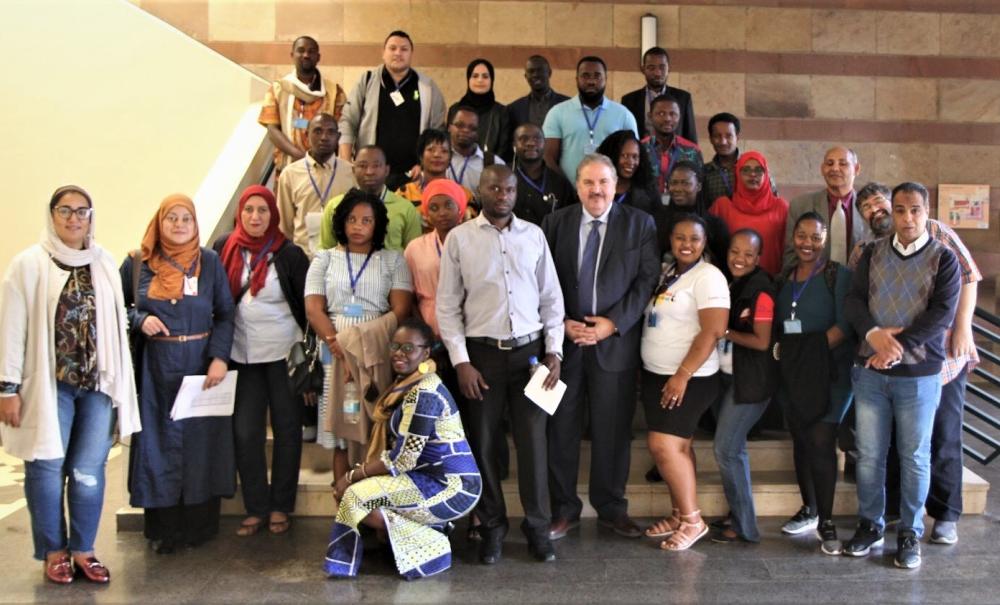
(433, 479)
(187, 462)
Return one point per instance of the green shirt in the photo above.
(404, 222)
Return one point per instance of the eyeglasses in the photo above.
(64, 212)
(406, 347)
(752, 171)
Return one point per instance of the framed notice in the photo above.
(964, 206)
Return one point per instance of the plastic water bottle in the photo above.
(352, 403)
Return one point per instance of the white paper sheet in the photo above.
(192, 401)
(547, 400)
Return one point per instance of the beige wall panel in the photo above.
(902, 33)
(512, 23)
(895, 163)
(366, 20)
(627, 28)
(189, 16)
(970, 100)
(624, 82)
(970, 35)
(713, 27)
(782, 29)
(321, 19)
(971, 164)
(444, 22)
(843, 97)
(843, 31)
(778, 96)
(578, 24)
(564, 82)
(510, 85)
(791, 162)
(243, 20)
(906, 99)
(451, 81)
(712, 93)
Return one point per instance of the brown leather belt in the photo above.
(508, 344)
(181, 338)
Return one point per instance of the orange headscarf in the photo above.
(168, 280)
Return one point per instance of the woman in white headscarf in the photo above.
(65, 375)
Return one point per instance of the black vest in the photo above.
(755, 376)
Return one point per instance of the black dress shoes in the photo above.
(560, 527)
(491, 546)
(541, 549)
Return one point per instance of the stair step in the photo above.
(776, 494)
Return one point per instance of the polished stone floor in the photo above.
(594, 566)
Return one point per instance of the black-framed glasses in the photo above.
(65, 212)
(406, 347)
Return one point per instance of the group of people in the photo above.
(437, 270)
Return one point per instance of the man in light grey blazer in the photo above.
(845, 225)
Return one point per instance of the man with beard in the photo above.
(306, 185)
(534, 106)
(655, 68)
(665, 147)
(944, 502)
(291, 102)
(608, 264)
(836, 203)
(499, 307)
(467, 159)
(540, 190)
(577, 126)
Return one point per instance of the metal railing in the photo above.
(983, 409)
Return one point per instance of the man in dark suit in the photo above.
(533, 106)
(656, 67)
(608, 265)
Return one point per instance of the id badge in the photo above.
(301, 123)
(589, 148)
(651, 319)
(191, 286)
(793, 326)
(353, 310)
(397, 98)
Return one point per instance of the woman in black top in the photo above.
(494, 125)
(635, 174)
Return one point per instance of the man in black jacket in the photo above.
(656, 67)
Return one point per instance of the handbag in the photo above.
(305, 372)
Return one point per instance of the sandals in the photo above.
(279, 526)
(249, 527)
(687, 534)
(671, 523)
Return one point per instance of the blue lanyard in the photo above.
(533, 184)
(437, 244)
(797, 292)
(350, 269)
(458, 178)
(322, 196)
(621, 197)
(402, 82)
(597, 118)
(266, 250)
(189, 272)
(672, 279)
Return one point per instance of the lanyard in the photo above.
(187, 273)
(437, 244)
(798, 292)
(533, 184)
(402, 82)
(597, 118)
(350, 269)
(621, 197)
(322, 196)
(458, 178)
(266, 251)
(667, 159)
(672, 279)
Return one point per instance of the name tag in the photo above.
(352, 310)
(651, 319)
(191, 286)
(397, 98)
(793, 326)
(301, 123)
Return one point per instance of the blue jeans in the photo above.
(86, 423)
(910, 403)
(733, 422)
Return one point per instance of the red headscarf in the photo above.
(444, 187)
(753, 201)
(259, 247)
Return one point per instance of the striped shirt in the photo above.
(328, 276)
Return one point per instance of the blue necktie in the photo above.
(588, 270)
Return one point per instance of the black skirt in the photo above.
(682, 420)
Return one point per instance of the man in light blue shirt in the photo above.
(579, 125)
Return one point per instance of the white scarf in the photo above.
(114, 361)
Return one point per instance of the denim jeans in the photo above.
(86, 423)
(909, 403)
(733, 422)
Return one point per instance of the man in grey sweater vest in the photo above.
(902, 300)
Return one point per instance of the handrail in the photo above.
(988, 414)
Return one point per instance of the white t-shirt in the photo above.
(675, 317)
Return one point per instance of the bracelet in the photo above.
(690, 373)
(350, 477)
(364, 473)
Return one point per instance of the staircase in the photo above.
(776, 494)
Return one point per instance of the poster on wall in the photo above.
(964, 206)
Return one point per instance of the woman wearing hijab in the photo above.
(755, 206)
(178, 469)
(494, 124)
(267, 278)
(65, 375)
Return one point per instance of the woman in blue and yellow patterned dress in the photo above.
(419, 474)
